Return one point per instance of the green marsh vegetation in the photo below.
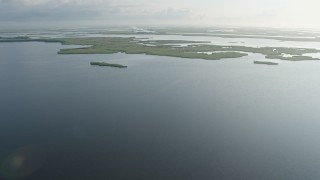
(265, 62)
(269, 52)
(110, 45)
(132, 46)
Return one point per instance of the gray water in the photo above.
(161, 118)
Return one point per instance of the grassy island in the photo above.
(107, 64)
(109, 45)
(265, 62)
(188, 49)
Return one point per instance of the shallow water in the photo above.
(161, 118)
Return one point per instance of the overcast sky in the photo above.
(267, 13)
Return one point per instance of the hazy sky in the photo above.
(273, 13)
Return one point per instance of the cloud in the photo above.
(54, 10)
(59, 3)
(211, 12)
(85, 11)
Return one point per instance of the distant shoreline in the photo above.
(110, 45)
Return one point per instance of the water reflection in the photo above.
(23, 162)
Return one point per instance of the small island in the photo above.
(265, 62)
(107, 64)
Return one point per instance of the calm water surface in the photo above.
(161, 118)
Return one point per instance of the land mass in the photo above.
(265, 62)
(107, 64)
(172, 48)
(300, 39)
(273, 34)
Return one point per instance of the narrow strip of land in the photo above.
(107, 64)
